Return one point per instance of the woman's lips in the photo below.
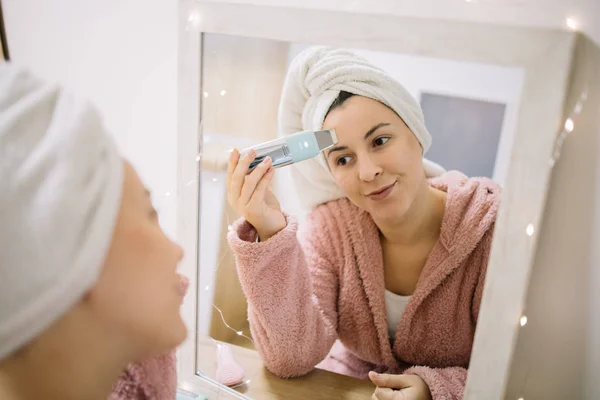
(382, 193)
(182, 285)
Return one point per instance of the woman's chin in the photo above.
(180, 332)
(169, 336)
(388, 211)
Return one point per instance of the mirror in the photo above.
(352, 294)
(470, 110)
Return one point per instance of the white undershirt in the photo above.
(395, 306)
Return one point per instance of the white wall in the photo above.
(122, 54)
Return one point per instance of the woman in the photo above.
(88, 280)
(390, 272)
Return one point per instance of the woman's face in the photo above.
(139, 293)
(378, 160)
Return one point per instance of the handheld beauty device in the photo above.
(293, 148)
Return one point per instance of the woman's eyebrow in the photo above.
(367, 135)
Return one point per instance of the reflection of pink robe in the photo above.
(151, 379)
(322, 302)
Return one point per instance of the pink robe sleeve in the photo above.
(292, 296)
(444, 383)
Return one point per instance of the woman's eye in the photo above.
(380, 141)
(343, 161)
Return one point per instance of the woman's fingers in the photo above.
(234, 157)
(252, 181)
(388, 394)
(260, 192)
(238, 176)
(390, 380)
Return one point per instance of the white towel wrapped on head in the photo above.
(314, 81)
(61, 180)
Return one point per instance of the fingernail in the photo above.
(267, 160)
(375, 374)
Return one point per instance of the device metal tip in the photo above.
(326, 138)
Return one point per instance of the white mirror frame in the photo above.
(544, 55)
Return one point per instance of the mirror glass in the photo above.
(370, 291)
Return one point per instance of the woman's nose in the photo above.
(368, 169)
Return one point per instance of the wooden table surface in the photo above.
(317, 385)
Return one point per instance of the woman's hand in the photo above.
(250, 194)
(399, 387)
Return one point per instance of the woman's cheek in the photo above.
(343, 181)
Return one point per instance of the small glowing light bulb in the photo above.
(523, 320)
(240, 333)
(569, 125)
(207, 288)
(214, 179)
(229, 227)
(572, 23)
(205, 94)
(530, 230)
(223, 92)
(167, 194)
(198, 157)
(194, 16)
(194, 20)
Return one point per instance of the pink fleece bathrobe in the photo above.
(152, 379)
(321, 303)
